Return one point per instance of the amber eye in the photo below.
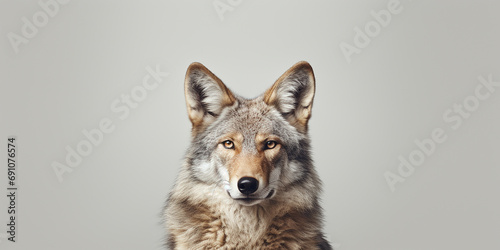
(228, 144)
(271, 144)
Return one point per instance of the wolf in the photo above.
(248, 180)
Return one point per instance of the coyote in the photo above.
(248, 180)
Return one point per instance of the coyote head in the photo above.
(253, 148)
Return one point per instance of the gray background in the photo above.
(367, 113)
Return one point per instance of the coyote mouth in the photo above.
(270, 194)
(249, 199)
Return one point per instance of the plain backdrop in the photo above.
(421, 65)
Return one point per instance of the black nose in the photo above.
(248, 185)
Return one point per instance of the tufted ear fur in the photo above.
(206, 96)
(292, 95)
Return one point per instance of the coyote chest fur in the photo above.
(248, 180)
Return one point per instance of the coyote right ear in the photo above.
(206, 95)
(293, 93)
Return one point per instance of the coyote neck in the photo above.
(220, 223)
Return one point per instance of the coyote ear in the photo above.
(293, 93)
(206, 95)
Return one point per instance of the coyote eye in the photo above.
(270, 144)
(228, 144)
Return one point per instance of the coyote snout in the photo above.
(251, 166)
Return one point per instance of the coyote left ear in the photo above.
(206, 96)
(293, 93)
